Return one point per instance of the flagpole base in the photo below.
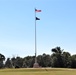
(36, 65)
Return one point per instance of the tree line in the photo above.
(58, 59)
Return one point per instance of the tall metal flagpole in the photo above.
(36, 65)
(35, 41)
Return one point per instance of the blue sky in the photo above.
(56, 27)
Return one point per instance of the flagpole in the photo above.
(36, 65)
(35, 40)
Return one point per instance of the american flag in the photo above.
(37, 10)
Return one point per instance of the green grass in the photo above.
(38, 71)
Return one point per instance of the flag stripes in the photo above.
(37, 10)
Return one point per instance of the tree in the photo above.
(66, 59)
(13, 62)
(8, 63)
(39, 60)
(2, 58)
(73, 60)
(56, 57)
(44, 60)
(29, 61)
(57, 50)
(19, 62)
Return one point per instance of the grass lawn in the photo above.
(39, 71)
